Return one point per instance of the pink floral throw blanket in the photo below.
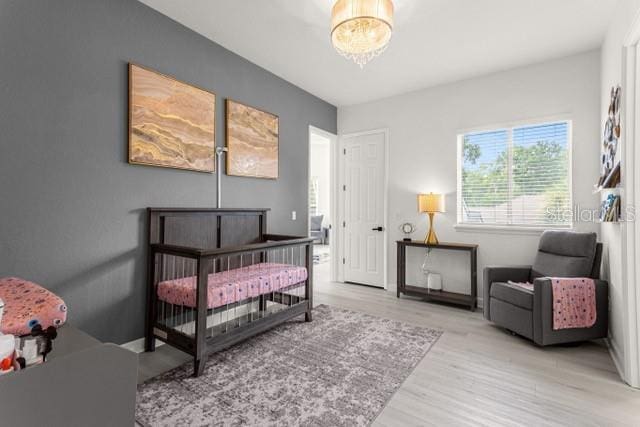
(574, 302)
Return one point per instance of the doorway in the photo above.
(363, 213)
(322, 202)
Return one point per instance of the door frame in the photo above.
(341, 182)
(630, 231)
(333, 244)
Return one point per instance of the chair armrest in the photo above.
(601, 284)
(493, 274)
(520, 273)
(542, 288)
(543, 332)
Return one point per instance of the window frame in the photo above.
(509, 127)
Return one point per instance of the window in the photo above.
(517, 176)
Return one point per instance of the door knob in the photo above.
(378, 229)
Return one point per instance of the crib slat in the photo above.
(201, 319)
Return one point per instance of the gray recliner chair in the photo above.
(530, 313)
(319, 233)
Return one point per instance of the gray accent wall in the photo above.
(72, 208)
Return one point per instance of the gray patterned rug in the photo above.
(339, 370)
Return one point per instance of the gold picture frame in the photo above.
(171, 123)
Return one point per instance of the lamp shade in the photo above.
(430, 203)
(361, 29)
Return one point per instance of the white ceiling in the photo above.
(434, 42)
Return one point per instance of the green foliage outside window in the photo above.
(540, 168)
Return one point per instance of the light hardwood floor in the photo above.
(477, 374)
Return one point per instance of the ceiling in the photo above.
(434, 41)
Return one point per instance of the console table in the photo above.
(466, 300)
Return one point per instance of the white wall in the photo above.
(320, 167)
(611, 234)
(423, 126)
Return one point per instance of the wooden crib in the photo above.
(216, 278)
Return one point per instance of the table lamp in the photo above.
(430, 204)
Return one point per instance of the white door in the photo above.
(364, 208)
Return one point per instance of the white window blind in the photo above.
(516, 176)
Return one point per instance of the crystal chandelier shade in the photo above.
(361, 29)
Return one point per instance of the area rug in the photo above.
(339, 370)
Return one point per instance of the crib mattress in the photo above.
(234, 285)
(27, 304)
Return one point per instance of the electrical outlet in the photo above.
(294, 215)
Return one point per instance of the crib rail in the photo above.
(274, 241)
(202, 301)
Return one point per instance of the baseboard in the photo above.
(616, 356)
(137, 346)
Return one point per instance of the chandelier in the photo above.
(361, 29)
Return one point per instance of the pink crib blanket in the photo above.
(234, 285)
(574, 301)
(27, 305)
